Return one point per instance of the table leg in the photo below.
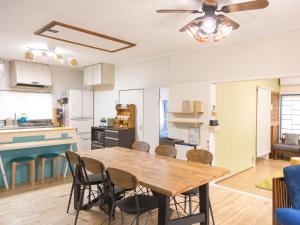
(204, 203)
(163, 209)
(3, 174)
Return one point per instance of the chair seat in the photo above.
(22, 159)
(192, 192)
(146, 203)
(287, 216)
(48, 155)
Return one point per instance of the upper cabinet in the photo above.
(99, 74)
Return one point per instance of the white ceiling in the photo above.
(131, 20)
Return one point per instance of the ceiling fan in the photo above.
(213, 25)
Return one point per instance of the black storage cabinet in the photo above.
(119, 137)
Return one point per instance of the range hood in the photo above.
(26, 74)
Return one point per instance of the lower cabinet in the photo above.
(119, 137)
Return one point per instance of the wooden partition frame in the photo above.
(48, 27)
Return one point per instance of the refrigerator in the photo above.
(79, 114)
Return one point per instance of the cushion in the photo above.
(146, 203)
(48, 155)
(287, 216)
(292, 180)
(22, 159)
(286, 147)
(291, 139)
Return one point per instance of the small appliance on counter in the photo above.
(106, 122)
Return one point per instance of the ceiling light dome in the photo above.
(209, 25)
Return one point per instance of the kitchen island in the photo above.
(32, 142)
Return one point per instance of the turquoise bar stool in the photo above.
(23, 160)
(41, 159)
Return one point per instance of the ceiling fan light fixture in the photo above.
(192, 31)
(225, 29)
(209, 25)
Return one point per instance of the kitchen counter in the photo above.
(33, 142)
(32, 129)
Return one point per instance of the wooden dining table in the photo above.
(166, 177)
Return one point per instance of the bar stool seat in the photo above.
(21, 161)
(41, 159)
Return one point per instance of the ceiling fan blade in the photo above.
(195, 21)
(177, 11)
(223, 18)
(257, 4)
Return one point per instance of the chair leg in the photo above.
(80, 204)
(185, 199)
(122, 216)
(70, 197)
(13, 175)
(111, 213)
(37, 169)
(176, 208)
(190, 205)
(66, 169)
(58, 167)
(31, 165)
(43, 170)
(211, 212)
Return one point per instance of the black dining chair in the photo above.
(79, 178)
(199, 156)
(136, 204)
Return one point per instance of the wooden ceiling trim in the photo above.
(48, 27)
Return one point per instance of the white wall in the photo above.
(104, 105)
(195, 91)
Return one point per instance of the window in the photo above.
(35, 105)
(164, 93)
(290, 114)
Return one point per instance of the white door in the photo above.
(263, 124)
(75, 104)
(135, 97)
(87, 104)
(151, 117)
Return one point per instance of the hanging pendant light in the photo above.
(72, 61)
(29, 55)
(59, 58)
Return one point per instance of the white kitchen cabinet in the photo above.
(88, 76)
(99, 74)
(87, 104)
(75, 104)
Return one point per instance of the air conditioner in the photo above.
(30, 74)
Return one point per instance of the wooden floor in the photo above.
(246, 181)
(46, 204)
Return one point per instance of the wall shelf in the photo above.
(190, 123)
(187, 113)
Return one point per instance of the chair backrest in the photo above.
(292, 180)
(141, 146)
(92, 165)
(200, 156)
(73, 160)
(166, 150)
(122, 178)
(280, 195)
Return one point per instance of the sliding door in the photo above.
(263, 124)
